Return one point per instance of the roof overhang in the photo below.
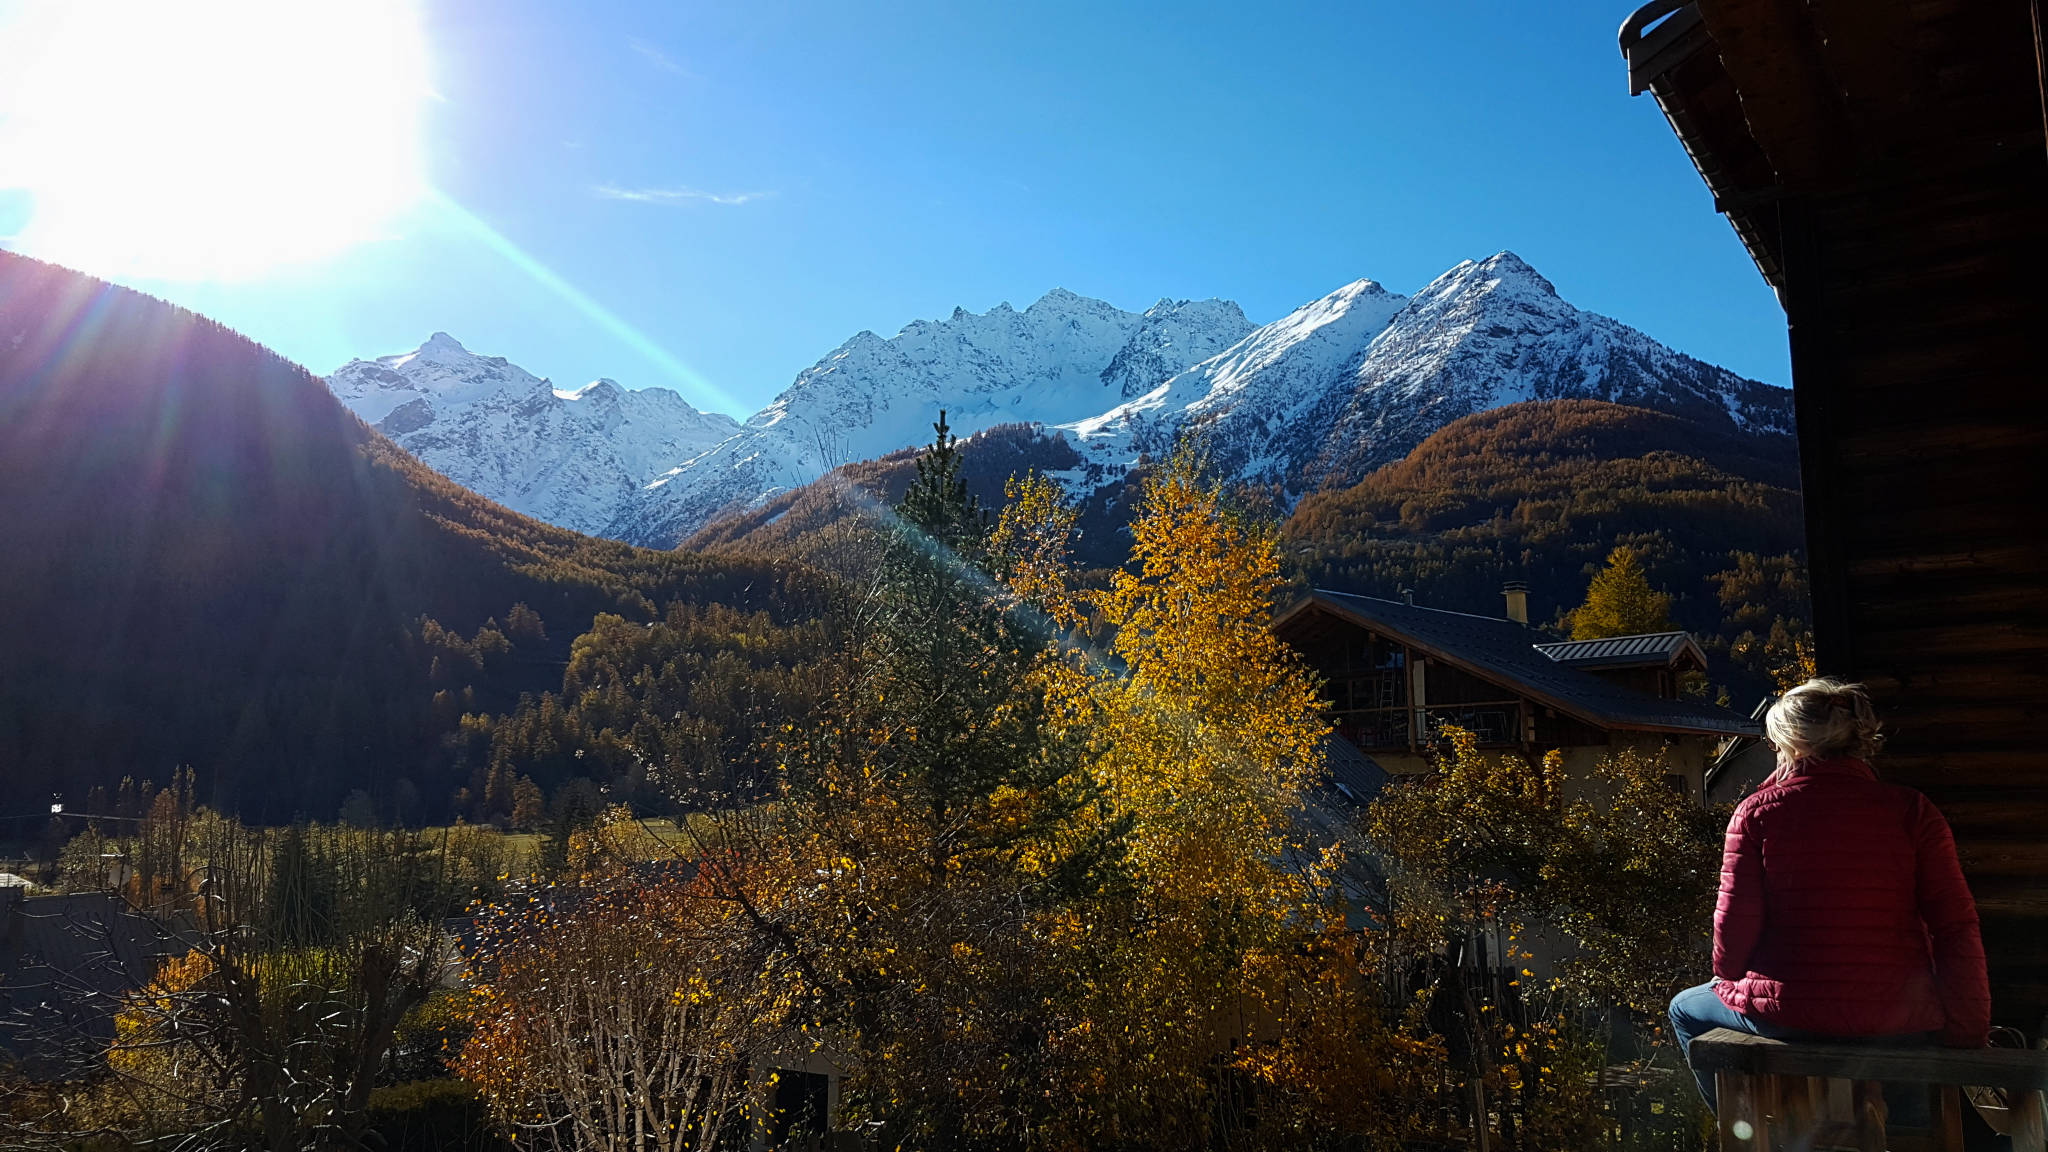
(1773, 100)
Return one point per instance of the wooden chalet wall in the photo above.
(1886, 164)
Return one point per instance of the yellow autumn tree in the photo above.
(1027, 891)
(1620, 601)
(1233, 974)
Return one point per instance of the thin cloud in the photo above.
(676, 195)
(654, 55)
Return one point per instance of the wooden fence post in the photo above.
(1742, 1129)
(1948, 1118)
(1870, 1116)
(2026, 1132)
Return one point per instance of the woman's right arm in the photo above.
(1951, 918)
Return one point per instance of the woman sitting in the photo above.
(1843, 911)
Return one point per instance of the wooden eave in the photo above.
(1773, 100)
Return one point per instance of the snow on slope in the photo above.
(570, 457)
(1321, 396)
(1063, 356)
(1172, 335)
(1496, 332)
(1253, 396)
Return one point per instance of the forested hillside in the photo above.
(794, 521)
(210, 563)
(1543, 491)
(1540, 491)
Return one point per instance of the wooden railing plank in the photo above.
(2013, 1069)
(1802, 1111)
(1770, 1111)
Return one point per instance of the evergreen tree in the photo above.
(301, 897)
(939, 822)
(938, 502)
(947, 657)
(577, 807)
(1620, 602)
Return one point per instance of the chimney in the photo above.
(1517, 592)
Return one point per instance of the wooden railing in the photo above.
(1777, 1094)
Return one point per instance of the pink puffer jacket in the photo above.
(1843, 911)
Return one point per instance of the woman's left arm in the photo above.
(1951, 918)
(1739, 910)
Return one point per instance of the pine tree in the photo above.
(947, 657)
(577, 807)
(938, 502)
(1620, 601)
(527, 806)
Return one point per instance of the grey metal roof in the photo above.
(1350, 781)
(1647, 650)
(1354, 778)
(1499, 650)
(65, 962)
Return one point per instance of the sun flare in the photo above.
(220, 139)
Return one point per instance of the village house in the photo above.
(1397, 674)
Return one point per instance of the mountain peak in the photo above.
(443, 349)
(1503, 278)
(1502, 269)
(1363, 286)
(603, 386)
(1060, 301)
(1171, 336)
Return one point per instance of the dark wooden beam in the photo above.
(1814, 397)
(2013, 1069)
(1771, 51)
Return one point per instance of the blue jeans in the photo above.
(1697, 1011)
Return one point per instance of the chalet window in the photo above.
(1372, 729)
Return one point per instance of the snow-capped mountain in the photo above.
(1355, 380)
(1257, 400)
(1321, 396)
(1496, 332)
(570, 457)
(1062, 357)
(1171, 335)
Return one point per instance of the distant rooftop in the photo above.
(1649, 649)
(1499, 650)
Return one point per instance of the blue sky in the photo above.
(712, 196)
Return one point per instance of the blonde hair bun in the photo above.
(1825, 717)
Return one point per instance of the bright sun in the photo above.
(216, 139)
